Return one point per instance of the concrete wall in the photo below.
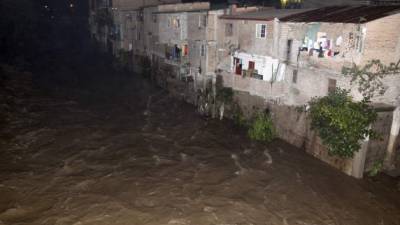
(136, 4)
(313, 72)
(293, 126)
(383, 40)
(197, 29)
(170, 33)
(151, 31)
(203, 34)
(244, 36)
(183, 7)
(142, 35)
(197, 36)
(377, 148)
(347, 52)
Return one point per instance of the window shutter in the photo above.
(258, 31)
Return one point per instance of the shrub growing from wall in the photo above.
(262, 128)
(342, 123)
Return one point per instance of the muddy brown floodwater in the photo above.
(135, 156)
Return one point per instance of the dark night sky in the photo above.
(61, 7)
(81, 6)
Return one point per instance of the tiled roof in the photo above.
(265, 14)
(343, 14)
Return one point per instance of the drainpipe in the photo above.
(206, 66)
(389, 162)
(121, 30)
(206, 46)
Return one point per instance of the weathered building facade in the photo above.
(179, 45)
(119, 24)
(248, 47)
(349, 36)
(286, 60)
(275, 59)
(333, 38)
(100, 20)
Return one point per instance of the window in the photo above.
(294, 78)
(360, 40)
(252, 65)
(128, 17)
(359, 44)
(331, 85)
(228, 29)
(138, 35)
(238, 66)
(202, 21)
(202, 50)
(140, 16)
(176, 23)
(261, 31)
(185, 50)
(289, 49)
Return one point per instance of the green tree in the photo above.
(341, 122)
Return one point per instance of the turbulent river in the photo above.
(120, 151)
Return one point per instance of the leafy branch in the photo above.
(369, 77)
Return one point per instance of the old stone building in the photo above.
(248, 52)
(329, 39)
(349, 35)
(119, 24)
(188, 35)
(100, 20)
(284, 51)
(175, 43)
(280, 59)
(275, 59)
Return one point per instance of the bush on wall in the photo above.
(262, 128)
(342, 123)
